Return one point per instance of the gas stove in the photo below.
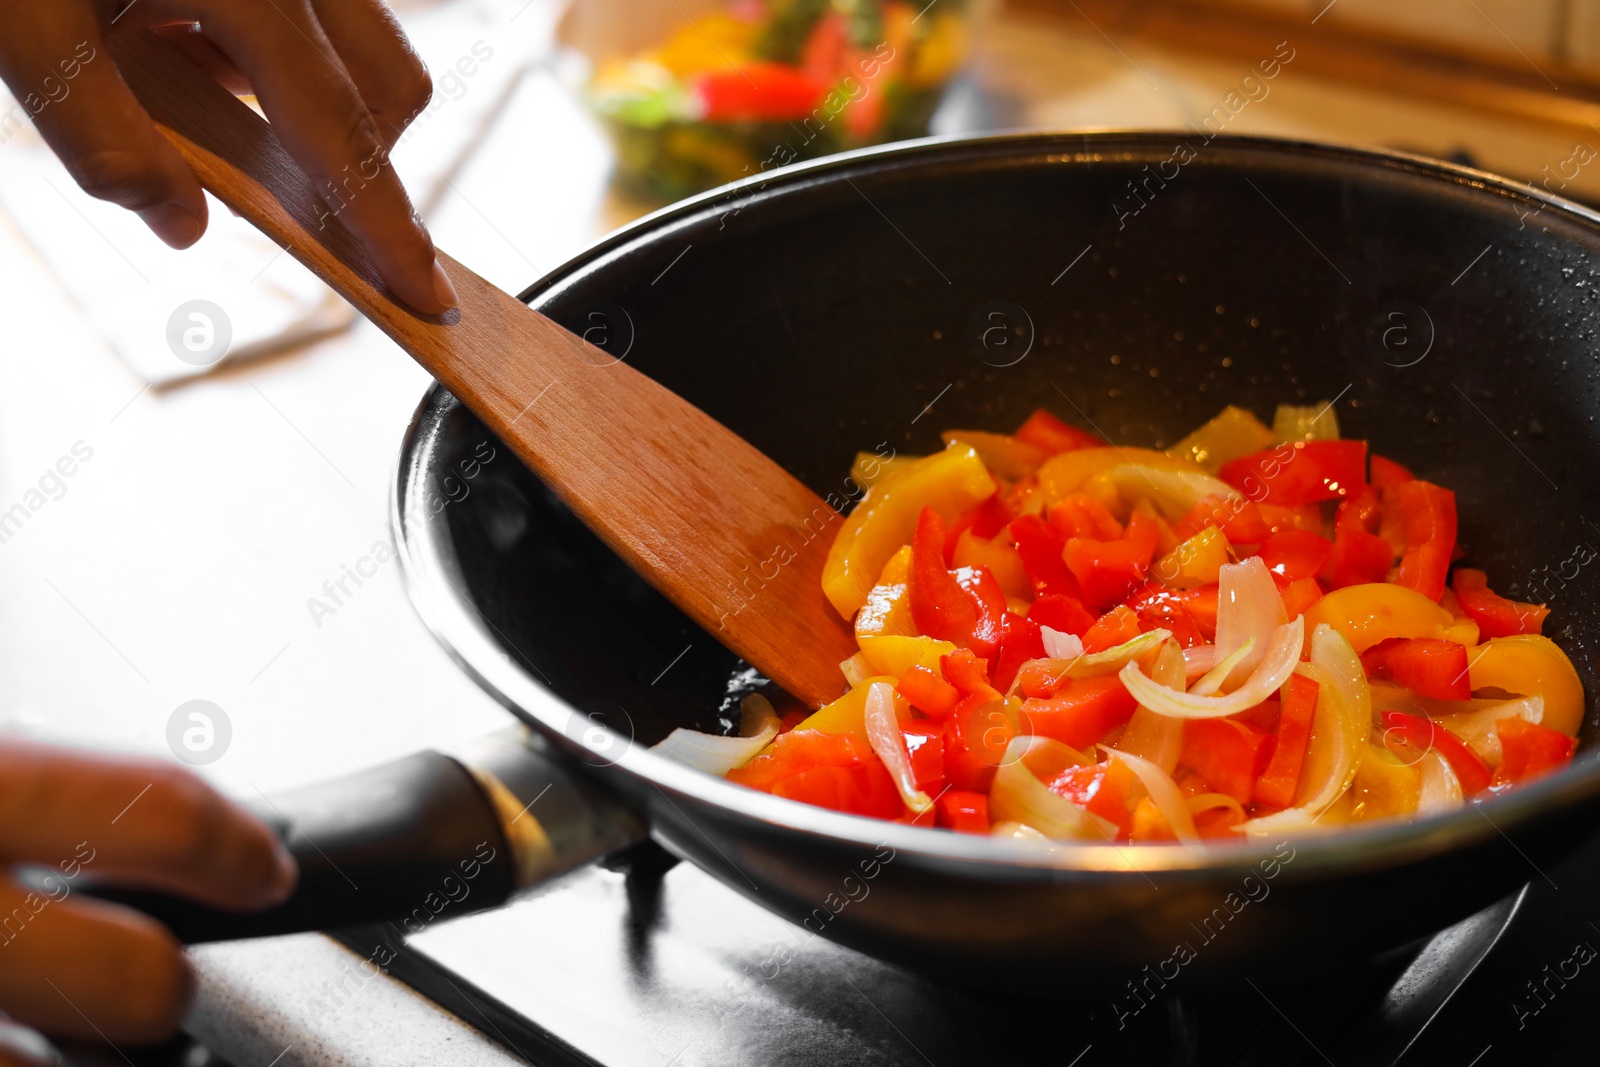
(652, 963)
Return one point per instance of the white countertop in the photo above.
(179, 561)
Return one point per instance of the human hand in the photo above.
(336, 78)
(83, 968)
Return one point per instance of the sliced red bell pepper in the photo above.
(825, 55)
(1402, 731)
(1359, 511)
(1040, 548)
(1239, 519)
(963, 811)
(1101, 789)
(1387, 473)
(984, 520)
(1428, 666)
(1084, 516)
(1495, 615)
(1202, 605)
(1426, 514)
(929, 693)
(1081, 711)
(969, 674)
(1298, 595)
(1358, 558)
(925, 742)
(1106, 570)
(1159, 607)
(1041, 678)
(975, 739)
(1529, 750)
(867, 789)
(1064, 614)
(1020, 641)
(1300, 473)
(1277, 784)
(756, 92)
(963, 606)
(1114, 627)
(1264, 716)
(799, 750)
(1295, 554)
(1229, 755)
(1044, 430)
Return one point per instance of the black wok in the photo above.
(871, 300)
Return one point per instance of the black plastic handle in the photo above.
(407, 839)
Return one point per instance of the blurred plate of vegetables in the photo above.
(728, 90)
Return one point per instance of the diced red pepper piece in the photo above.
(929, 693)
(1081, 712)
(1040, 678)
(985, 520)
(1529, 750)
(1202, 605)
(1300, 473)
(989, 600)
(969, 674)
(1040, 548)
(1084, 516)
(798, 750)
(868, 789)
(1402, 730)
(825, 55)
(1295, 554)
(1064, 614)
(963, 811)
(1161, 608)
(1427, 517)
(1359, 511)
(756, 92)
(1239, 519)
(1358, 558)
(1101, 789)
(925, 742)
(1298, 595)
(1044, 430)
(1114, 627)
(975, 740)
(1229, 755)
(1386, 473)
(1264, 716)
(1495, 615)
(1428, 666)
(1106, 570)
(1020, 641)
(939, 606)
(1277, 784)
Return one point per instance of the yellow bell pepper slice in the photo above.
(1001, 453)
(1195, 562)
(1234, 432)
(951, 482)
(848, 714)
(1384, 786)
(895, 654)
(885, 631)
(870, 468)
(1526, 664)
(1367, 614)
(1001, 559)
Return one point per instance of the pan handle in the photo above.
(427, 836)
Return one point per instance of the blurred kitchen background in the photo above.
(240, 461)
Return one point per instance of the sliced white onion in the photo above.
(1149, 734)
(1275, 669)
(1017, 830)
(1107, 661)
(1441, 789)
(717, 754)
(1248, 605)
(1198, 660)
(1164, 793)
(1058, 645)
(1018, 795)
(1476, 726)
(1208, 801)
(883, 733)
(856, 670)
(1211, 681)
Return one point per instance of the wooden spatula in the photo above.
(691, 506)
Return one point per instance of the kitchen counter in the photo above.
(182, 559)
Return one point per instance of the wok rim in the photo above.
(428, 568)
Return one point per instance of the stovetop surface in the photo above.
(656, 964)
